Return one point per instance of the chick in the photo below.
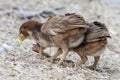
(66, 31)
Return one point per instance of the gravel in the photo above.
(19, 62)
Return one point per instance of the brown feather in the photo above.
(96, 31)
(63, 23)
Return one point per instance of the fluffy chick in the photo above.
(68, 38)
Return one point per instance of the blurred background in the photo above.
(19, 62)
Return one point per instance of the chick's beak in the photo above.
(22, 37)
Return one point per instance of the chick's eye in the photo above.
(21, 31)
(25, 27)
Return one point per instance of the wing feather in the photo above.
(63, 23)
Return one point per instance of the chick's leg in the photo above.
(37, 48)
(83, 59)
(64, 48)
(96, 58)
(51, 59)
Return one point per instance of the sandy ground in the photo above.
(19, 62)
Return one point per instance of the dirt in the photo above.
(19, 62)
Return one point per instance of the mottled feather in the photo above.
(96, 31)
(63, 23)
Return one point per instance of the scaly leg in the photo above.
(93, 67)
(64, 48)
(83, 59)
(51, 59)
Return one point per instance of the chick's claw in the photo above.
(49, 59)
(78, 63)
(92, 67)
(59, 63)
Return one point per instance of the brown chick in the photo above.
(66, 37)
(95, 43)
(92, 49)
(66, 31)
